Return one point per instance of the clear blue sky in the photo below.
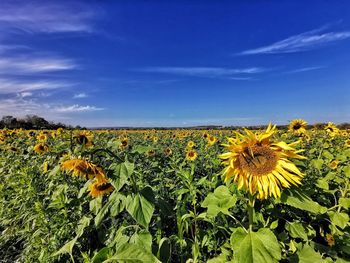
(175, 63)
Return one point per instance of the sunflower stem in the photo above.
(251, 203)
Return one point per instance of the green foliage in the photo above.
(165, 208)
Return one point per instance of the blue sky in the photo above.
(175, 63)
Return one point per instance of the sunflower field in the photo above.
(175, 195)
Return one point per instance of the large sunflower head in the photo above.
(83, 168)
(100, 188)
(297, 127)
(259, 164)
(83, 138)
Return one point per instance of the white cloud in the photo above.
(305, 69)
(76, 108)
(203, 71)
(301, 42)
(26, 94)
(47, 17)
(8, 86)
(80, 96)
(30, 64)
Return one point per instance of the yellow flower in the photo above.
(191, 155)
(212, 140)
(100, 188)
(84, 169)
(42, 137)
(190, 144)
(124, 143)
(347, 143)
(41, 148)
(297, 127)
(83, 138)
(333, 164)
(330, 240)
(168, 151)
(259, 164)
(151, 153)
(331, 129)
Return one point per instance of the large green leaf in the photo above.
(121, 174)
(132, 253)
(252, 247)
(300, 200)
(140, 209)
(308, 255)
(219, 201)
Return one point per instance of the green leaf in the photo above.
(121, 174)
(101, 255)
(299, 200)
(317, 163)
(67, 248)
(141, 149)
(251, 247)
(339, 219)
(308, 255)
(143, 239)
(296, 230)
(219, 201)
(140, 209)
(344, 202)
(132, 253)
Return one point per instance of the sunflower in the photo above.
(83, 138)
(83, 168)
(151, 153)
(212, 140)
(331, 129)
(347, 143)
(41, 148)
(190, 144)
(259, 164)
(297, 127)
(330, 240)
(205, 135)
(124, 143)
(42, 137)
(333, 164)
(191, 155)
(168, 151)
(100, 188)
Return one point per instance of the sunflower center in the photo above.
(191, 154)
(258, 160)
(297, 126)
(103, 186)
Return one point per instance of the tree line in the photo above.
(32, 122)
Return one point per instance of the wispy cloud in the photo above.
(304, 69)
(210, 72)
(301, 42)
(31, 64)
(47, 17)
(77, 108)
(8, 86)
(80, 96)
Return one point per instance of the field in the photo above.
(175, 196)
